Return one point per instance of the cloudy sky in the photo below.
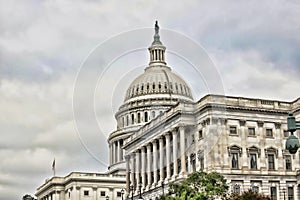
(44, 45)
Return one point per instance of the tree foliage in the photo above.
(198, 186)
(249, 195)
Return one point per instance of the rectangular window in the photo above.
(286, 133)
(269, 132)
(255, 189)
(251, 131)
(290, 193)
(288, 162)
(253, 161)
(102, 193)
(192, 138)
(236, 189)
(273, 193)
(132, 118)
(200, 134)
(86, 193)
(271, 162)
(193, 165)
(118, 194)
(234, 161)
(202, 163)
(232, 130)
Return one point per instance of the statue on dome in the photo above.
(156, 27)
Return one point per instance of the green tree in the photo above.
(198, 186)
(249, 195)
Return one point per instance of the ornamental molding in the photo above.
(242, 122)
(253, 149)
(271, 150)
(235, 149)
(260, 123)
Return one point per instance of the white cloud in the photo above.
(42, 44)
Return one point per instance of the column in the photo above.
(118, 151)
(110, 154)
(77, 193)
(133, 169)
(143, 170)
(161, 163)
(74, 193)
(149, 163)
(262, 143)
(175, 164)
(168, 156)
(121, 150)
(113, 152)
(54, 195)
(155, 162)
(138, 168)
(244, 144)
(127, 159)
(95, 193)
(182, 150)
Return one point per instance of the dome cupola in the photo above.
(158, 80)
(154, 91)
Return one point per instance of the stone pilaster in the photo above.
(168, 156)
(182, 150)
(175, 156)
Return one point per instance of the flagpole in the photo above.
(53, 167)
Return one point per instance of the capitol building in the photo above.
(163, 134)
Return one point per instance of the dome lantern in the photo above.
(157, 49)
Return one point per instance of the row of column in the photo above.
(157, 55)
(52, 196)
(116, 152)
(156, 157)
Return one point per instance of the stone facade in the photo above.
(241, 138)
(82, 186)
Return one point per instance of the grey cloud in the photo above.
(254, 44)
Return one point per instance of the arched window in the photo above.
(132, 118)
(142, 88)
(127, 120)
(153, 86)
(139, 117)
(159, 86)
(234, 153)
(171, 86)
(137, 89)
(153, 114)
(146, 116)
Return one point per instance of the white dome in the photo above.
(158, 81)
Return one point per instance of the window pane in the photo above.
(290, 193)
(255, 189)
(234, 161)
(251, 131)
(271, 162)
(232, 130)
(253, 161)
(288, 162)
(273, 193)
(236, 189)
(269, 132)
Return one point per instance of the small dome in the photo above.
(158, 81)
